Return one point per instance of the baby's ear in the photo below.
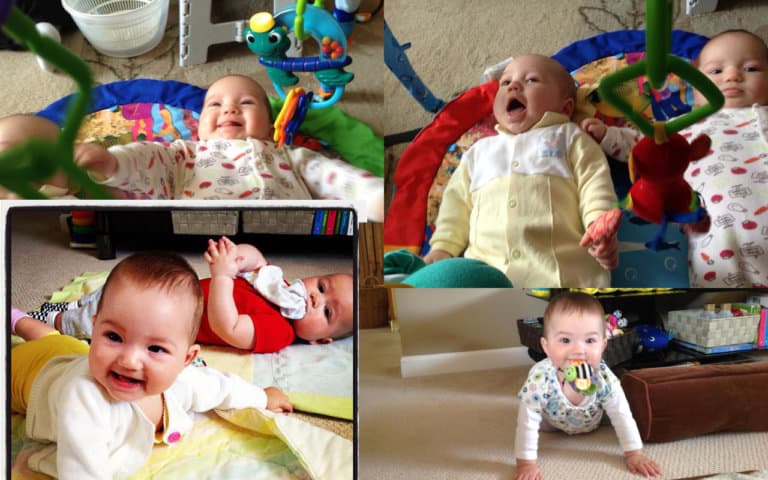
(192, 352)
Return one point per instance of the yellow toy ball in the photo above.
(262, 22)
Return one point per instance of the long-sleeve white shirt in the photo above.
(247, 169)
(542, 397)
(95, 437)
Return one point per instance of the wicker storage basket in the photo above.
(690, 326)
(619, 349)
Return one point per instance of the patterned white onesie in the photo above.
(542, 398)
(238, 169)
(733, 182)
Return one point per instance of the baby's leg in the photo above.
(29, 357)
(27, 327)
(78, 322)
(19, 128)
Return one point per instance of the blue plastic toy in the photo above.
(652, 339)
(267, 36)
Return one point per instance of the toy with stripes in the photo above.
(581, 376)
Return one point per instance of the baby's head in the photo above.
(530, 86)
(574, 329)
(24, 126)
(737, 63)
(145, 326)
(330, 308)
(235, 107)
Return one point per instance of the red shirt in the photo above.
(273, 332)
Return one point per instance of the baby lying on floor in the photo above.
(247, 304)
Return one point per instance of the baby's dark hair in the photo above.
(757, 38)
(166, 271)
(577, 302)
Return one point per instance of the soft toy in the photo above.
(659, 193)
(581, 376)
(652, 339)
(614, 322)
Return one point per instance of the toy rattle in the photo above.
(267, 36)
(37, 160)
(581, 377)
(659, 193)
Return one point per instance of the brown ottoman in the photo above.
(671, 403)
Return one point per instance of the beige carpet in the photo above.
(463, 426)
(26, 88)
(453, 41)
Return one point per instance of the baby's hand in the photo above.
(277, 401)
(222, 258)
(96, 159)
(601, 235)
(595, 128)
(436, 255)
(638, 463)
(527, 470)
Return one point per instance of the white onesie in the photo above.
(542, 398)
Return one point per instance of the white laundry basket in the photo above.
(120, 28)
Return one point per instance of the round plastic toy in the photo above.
(581, 377)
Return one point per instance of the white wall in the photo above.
(435, 321)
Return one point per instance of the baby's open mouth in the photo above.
(123, 378)
(229, 123)
(514, 104)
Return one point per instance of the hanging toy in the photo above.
(581, 376)
(659, 193)
(291, 115)
(36, 160)
(267, 36)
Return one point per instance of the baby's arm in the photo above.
(617, 408)
(99, 162)
(204, 388)
(146, 168)
(451, 236)
(601, 239)
(597, 200)
(332, 178)
(617, 142)
(235, 329)
(526, 444)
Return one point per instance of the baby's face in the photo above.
(140, 340)
(235, 108)
(737, 64)
(574, 335)
(329, 308)
(529, 86)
